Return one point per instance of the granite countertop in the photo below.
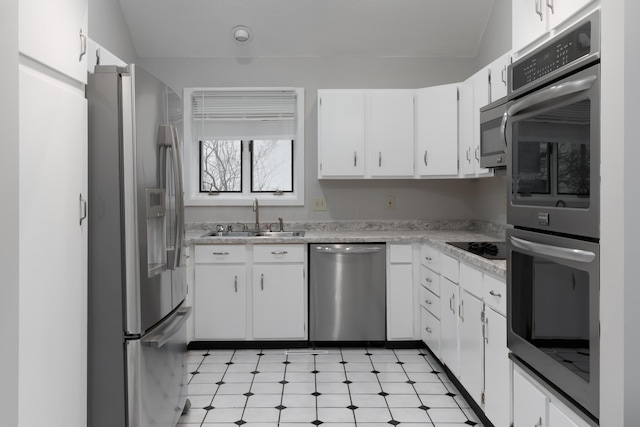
(434, 234)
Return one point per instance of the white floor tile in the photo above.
(410, 415)
(332, 388)
(266, 388)
(237, 377)
(403, 401)
(264, 401)
(430, 388)
(299, 401)
(332, 367)
(330, 377)
(200, 389)
(368, 401)
(300, 377)
(447, 415)
(298, 415)
(365, 388)
(232, 388)
(388, 367)
(392, 377)
(333, 401)
(268, 377)
(260, 415)
(299, 388)
(335, 415)
(364, 377)
(229, 401)
(398, 388)
(438, 401)
(219, 415)
(364, 415)
(359, 367)
(194, 415)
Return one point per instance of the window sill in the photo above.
(265, 199)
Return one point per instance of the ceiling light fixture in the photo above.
(241, 34)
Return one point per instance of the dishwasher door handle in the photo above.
(348, 250)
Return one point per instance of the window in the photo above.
(242, 144)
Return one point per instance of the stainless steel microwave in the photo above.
(492, 135)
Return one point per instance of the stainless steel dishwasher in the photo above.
(347, 295)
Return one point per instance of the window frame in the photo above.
(192, 195)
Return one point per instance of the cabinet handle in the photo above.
(83, 209)
(550, 5)
(469, 155)
(379, 158)
(428, 258)
(427, 302)
(539, 423)
(279, 253)
(83, 45)
(495, 294)
(235, 283)
(461, 310)
(539, 9)
(504, 75)
(485, 325)
(425, 158)
(451, 302)
(220, 253)
(355, 158)
(262, 282)
(477, 153)
(428, 329)
(428, 280)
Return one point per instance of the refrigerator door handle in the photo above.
(159, 339)
(179, 194)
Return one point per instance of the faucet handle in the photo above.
(281, 224)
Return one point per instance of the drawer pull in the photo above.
(495, 294)
(235, 283)
(428, 258)
(428, 280)
(428, 329)
(279, 253)
(220, 253)
(427, 301)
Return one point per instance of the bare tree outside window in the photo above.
(220, 166)
(272, 166)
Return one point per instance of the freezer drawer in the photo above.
(157, 373)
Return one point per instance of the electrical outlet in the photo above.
(390, 203)
(319, 204)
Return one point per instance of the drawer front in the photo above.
(430, 280)
(278, 253)
(430, 301)
(495, 294)
(430, 331)
(220, 254)
(449, 268)
(471, 280)
(400, 253)
(430, 257)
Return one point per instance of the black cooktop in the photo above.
(489, 250)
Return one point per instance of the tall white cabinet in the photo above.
(52, 204)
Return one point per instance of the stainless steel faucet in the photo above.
(256, 209)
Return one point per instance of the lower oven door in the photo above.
(553, 311)
(157, 373)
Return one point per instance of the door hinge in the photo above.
(320, 100)
(458, 94)
(320, 167)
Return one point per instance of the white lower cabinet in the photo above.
(250, 292)
(278, 301)
(449, 297)
(220, 301)
(496, 368)
(430, 331)
(471, 345)
(534, 405)
(400, 293)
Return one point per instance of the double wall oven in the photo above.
(551, 128)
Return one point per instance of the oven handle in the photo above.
(553, 92)
(554, 251)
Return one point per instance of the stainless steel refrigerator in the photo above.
(137, 275)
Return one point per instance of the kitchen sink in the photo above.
(295, 233)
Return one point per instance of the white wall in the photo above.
(496, 40)
(491, 199)
(345, 199)
(108, 28)
(620, 288)
(9, 217)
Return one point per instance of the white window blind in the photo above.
(263, 105)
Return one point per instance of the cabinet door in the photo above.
(471, 345)
(560, 10)
(53, 248)
(498, 75)
(466, 123)
(54, 33)
(437, 130)
(449, 324)
(480, 99)
(528, 23)
(496, 369)
(391, 145)
(529, 403)
(220, 302)
(279, 301)
(341, 134)
(400, 302)
(430, 332)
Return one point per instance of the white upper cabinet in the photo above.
(365, 133)
(391, 133)
(437, 131)
(341, 133)
(54, 33)
(474, 94)
(533, 18)
(498, 77)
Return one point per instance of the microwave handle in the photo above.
(553, 92)
(553, 251)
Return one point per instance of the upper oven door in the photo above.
(553, 286)
(553, 143)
